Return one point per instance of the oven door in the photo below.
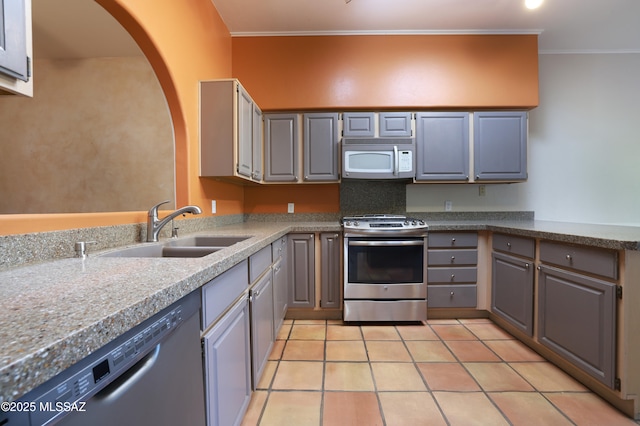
(385, 268)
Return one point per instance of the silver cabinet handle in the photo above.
(569, 257)
(453, 259)
(452, 294)
(453, 277)
(526, 266)
(509, 245)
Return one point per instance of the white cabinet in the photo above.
(230, 131)
(15, 47)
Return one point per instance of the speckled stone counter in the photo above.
(54, 314)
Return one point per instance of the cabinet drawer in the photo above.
(453, 239)
(452, 257)
(219, 293)
(258, 263)
(452, 296)
(519, 246)
(278, 247)
(452, 275)
(587, 259)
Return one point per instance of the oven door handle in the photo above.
(386, 243)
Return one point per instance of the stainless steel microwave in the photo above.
(378, 158)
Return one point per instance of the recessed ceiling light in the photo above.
(533, 4)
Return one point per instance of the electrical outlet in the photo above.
(448, 205)
(482, 191)
(213, 206)
(290, 208)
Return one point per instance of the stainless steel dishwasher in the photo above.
(151, 375)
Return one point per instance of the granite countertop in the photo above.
(56, 313)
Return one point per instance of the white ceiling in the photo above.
(81, 28)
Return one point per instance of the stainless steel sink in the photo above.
(195, 246)
(206, 241)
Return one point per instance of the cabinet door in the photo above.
(256, 143)
(500, 145)
(577, 319)
(227, 360)
(281, 144)
(245, 133)
(13, 39)
(262, 336)
(280, 293)
(442, 146)
(358, 124)
(300, 257)
(330, 270)
(321, 147)
(395, 124)
(512, 291)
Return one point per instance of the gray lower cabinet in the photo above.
(512, 280)
(262, 331)
(452, 274)
(280, 282)
(576, 309)
(512, 290)
(281, 145)
(442, 146)
(301, 264)
(320, 147)
(330, 244)
(500, 145)
(228, 367)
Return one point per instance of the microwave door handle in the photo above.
(396, 160)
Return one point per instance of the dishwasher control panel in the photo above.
(67, 392)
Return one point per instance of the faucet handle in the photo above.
(81, 248)
(153, 211)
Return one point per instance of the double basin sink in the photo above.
(194, 246)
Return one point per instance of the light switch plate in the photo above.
(213, 206)
(448, 205)
(290, 208)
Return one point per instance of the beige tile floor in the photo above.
(444, 372)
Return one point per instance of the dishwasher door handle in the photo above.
(127, 379)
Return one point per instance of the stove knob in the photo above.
(414, 223)
(356, 223)
(406, 223)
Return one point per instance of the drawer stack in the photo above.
(452, 272)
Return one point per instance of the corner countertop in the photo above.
(55, 313)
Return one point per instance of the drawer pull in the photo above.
(452, 294)
(453, 277)
(569, 258)
(509, 245)
(453, 241)
(526, 266)
(453, 259)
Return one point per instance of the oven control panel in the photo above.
(382, 223)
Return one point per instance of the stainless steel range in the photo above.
(385, 268)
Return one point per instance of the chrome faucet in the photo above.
(154, 225)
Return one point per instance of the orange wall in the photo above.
(414, 71)
(307, 198)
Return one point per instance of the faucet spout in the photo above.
(155, 225)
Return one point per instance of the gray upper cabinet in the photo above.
(500, 145)
(358, 124)
(13, 39)
(16, 47)
(257, 146)
(245, 133)
(442, 145)
(230, 131)
(281, 145)
(395, 124)
(321, 147)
